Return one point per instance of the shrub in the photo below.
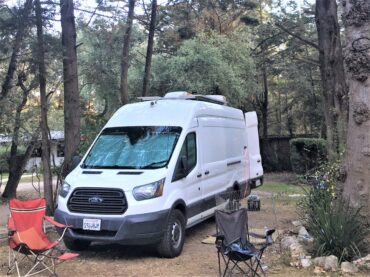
(307, 153)
(337, 228)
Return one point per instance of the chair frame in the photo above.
(47, 258)
(232, 260)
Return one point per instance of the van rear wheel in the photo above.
(76, 244)
(174, 236)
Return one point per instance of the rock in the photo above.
(348, 267)
(331, 263)
(362, 261)
(319, 261)
(305, 239)
(303, 232)
(297, 223)
(305, 263)
(297, 251)
(286, 242)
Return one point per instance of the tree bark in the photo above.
(332, 76)
(149, 51)
(17, 163)
(265, 103)
(356, 17)
(72, 134)
(45, 143)
(6, 86)
(125, 54)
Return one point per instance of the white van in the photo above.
(156, 168)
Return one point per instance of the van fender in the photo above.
(179, 204)
(176, 201)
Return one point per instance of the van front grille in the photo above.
(97, 201)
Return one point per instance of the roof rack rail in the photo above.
(215, 99)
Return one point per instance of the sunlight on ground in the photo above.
(283, 188)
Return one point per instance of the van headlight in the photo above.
(64, 189)
(149, 191)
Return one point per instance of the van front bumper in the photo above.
(133, 229)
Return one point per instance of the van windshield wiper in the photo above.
(154, 164)
(109, 166)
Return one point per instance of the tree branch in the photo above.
(312, 44)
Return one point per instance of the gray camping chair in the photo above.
(233, 245)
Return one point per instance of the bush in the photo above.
(3, 159)
(307, 153)
(337, 228)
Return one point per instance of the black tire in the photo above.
(76, 244)
(173, 237)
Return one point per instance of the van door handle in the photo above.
(199, 175)
(258, 161)
(206, 173)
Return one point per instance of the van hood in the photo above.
(124, 179)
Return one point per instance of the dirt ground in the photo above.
(197, 259)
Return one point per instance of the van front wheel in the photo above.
(173, 237)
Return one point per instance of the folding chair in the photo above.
(28, 241)
(234, 247)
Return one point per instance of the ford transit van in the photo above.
(156, 168)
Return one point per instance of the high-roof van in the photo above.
(156, 168)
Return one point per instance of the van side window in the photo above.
(188, 155)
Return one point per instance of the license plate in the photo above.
(91, 224)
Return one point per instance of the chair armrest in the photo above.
(267, 236)
(257, 236)
(269, 239)
(57, 224)
(219, 240)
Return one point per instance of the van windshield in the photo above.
(144, 147)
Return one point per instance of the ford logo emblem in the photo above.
(95, 200)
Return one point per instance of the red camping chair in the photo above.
(28, 240)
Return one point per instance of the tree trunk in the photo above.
(265, 103)
(71, 94)
(6, 86)
(149, 51)
(356, 16)
(125, 54)
(45, 143)
(332, 76)
(17, 163)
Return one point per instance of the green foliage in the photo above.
(214, 64)
(337, 228)
(307, 153)
(4, 156)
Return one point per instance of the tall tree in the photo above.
(125, 53)
(149, 51)
(72, 134)
(332, 75)
(17, 162)
(356, 17)
(6, 86)
(45, 143)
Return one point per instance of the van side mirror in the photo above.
(75, 161)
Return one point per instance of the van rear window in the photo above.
(137, 147)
